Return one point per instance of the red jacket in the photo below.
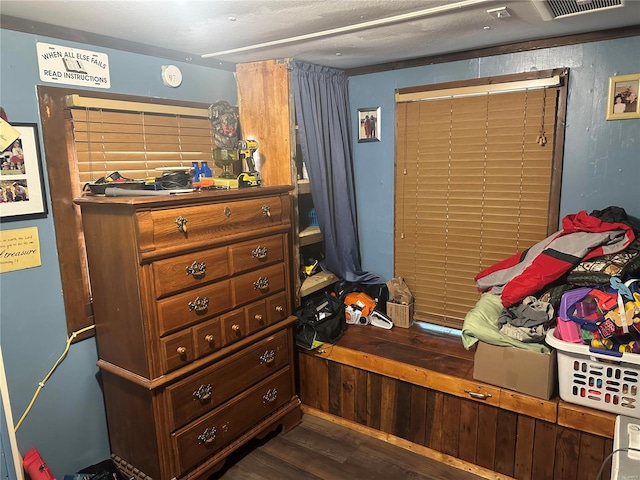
(582, 237)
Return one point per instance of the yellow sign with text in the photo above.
(7, 135)
(19, 249)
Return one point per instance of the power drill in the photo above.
(246, 149)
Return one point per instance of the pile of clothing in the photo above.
(522, 296)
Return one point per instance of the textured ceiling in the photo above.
(341, 34)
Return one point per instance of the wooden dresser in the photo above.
(192, 302)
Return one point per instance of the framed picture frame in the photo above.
(22, 194)
(369, 124)
(622, 101)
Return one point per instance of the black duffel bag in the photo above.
(320, 320)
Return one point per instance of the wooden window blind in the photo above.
(474, 184)
(136, 144)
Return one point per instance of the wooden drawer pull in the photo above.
(199, 304)
(208, 436)
(478, 396)
(279, 309)
(203, 392)
(181, 223)
(197, 269)
(260, 252)
(261, 283)
(258, 318)
(182, 351)
(267, 357)
(236, 328)
(270, 396)
(266, 211)
(210, 339)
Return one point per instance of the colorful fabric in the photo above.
(582, 237)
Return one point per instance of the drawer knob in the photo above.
(267, 357)
(258, 318)
(197, 269)
(261, 283)
(279, 309)
(182, 351)
(266, 211)
(208, 436)
(181, 223)
(235, 327)
(260, 252)
(203, 392)
(270, 396)
(210, 339)
(227, 212)
(199, 305)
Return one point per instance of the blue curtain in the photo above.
(322, 114)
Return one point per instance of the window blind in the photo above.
(136, 144)
(473, 186)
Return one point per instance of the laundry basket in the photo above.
(606, 381)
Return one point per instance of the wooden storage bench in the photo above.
(417, 385)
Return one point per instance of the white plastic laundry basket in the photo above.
(597, 380)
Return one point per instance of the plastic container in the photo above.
(605, 381)
(313, 220)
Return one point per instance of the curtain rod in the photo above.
(76, 101)
(538, 83)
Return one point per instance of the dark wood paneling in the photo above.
(402, 415)
(507, 431)
(374, 397)
(509, 443)
(487, 436)
(451, 425)
(418, 423)
(335, 382)
(567, 451)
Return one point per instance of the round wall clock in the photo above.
(171, 76)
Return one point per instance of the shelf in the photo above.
(317, 282)
(310, 235)
(304, 186)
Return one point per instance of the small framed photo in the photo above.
(21, 184)
(369, 124)
(622, 102)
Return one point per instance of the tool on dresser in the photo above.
(246, 149)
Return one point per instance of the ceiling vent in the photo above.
(552, 9)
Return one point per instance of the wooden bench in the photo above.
(416, 385)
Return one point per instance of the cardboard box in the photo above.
(402, 315)
(516, 369)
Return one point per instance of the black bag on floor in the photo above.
(320, 320)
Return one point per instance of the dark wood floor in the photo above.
(319, 449)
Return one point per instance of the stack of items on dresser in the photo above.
(591, 257)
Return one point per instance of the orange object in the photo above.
(204, 182)
(360, 300)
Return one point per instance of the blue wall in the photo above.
(601, 158)
(67, 423)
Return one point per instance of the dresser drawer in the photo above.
(258, 284)
(216, 384)
(277, 308)
(207, 337)
(188, 271)
(256, 253)
(205, 436)
(177, 350)
(198, 225)
(193, 306)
